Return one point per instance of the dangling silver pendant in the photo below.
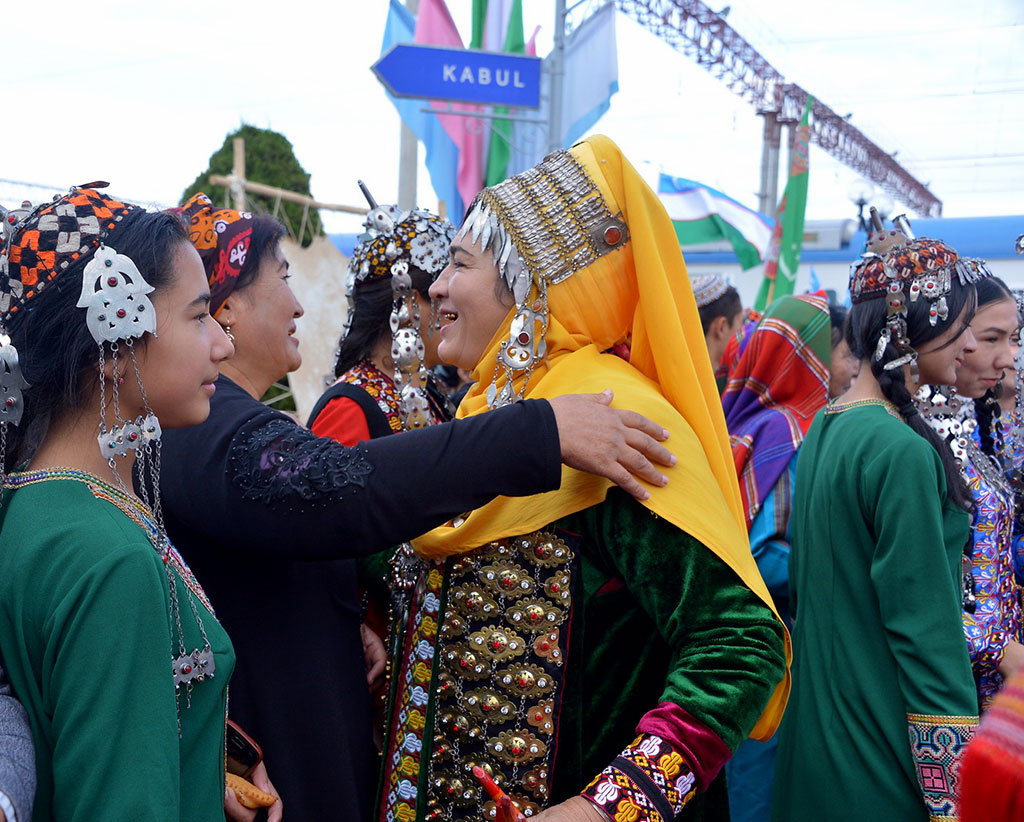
(151, 430)
(194, 667)
(12, 383)
(112, 443)
(114, 296)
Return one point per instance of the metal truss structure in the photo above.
(695, 30)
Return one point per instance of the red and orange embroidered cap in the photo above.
(222, 237)
(42, 242)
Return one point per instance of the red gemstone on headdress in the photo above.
(187, 669)
(523, 338)
(133, 436)
(9, 402)
(111, 280)
(612, 235)
(121, 312)
(12, 219)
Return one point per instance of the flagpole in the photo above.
(557, 79)
(408, 152)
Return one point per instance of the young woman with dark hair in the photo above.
(365, 401)
(109, 641)
(965, 416)
(880, 520)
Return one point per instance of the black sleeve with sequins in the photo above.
(258, 483)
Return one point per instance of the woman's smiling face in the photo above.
(473, 303)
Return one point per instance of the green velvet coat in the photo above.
(656, 617)
(87, 641)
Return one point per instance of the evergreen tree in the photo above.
(269, 159)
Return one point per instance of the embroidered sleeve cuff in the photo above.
(648, 782)
(937, 744)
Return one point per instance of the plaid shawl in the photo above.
(777, 382)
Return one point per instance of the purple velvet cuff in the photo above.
(703, 748)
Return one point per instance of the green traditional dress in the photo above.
(87, 638)
(883, 699)
(542, 657)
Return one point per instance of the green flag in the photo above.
(788, 235)
(490, 19)
(500, 151)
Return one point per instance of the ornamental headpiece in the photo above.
(900, 267)
(708, 288)
(541, 226)
(42, 246)
(222, 237)
(396, 240)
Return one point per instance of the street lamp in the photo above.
(861, 193)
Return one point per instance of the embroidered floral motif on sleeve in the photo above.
(648, 782)
(937, 744)
(279, 460)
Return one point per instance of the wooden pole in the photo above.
(238, 190)
(408, 152)
(284, 194)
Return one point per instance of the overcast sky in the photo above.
(141, 94)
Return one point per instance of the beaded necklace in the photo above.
(187, 667)
(840, 407)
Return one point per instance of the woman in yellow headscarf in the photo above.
(595, 655)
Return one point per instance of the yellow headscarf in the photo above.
(639, 292)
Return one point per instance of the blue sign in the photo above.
(460, 75)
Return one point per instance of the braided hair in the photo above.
(865, 323)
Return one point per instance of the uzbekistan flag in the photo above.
(700, 214)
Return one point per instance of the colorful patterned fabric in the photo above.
(937, 745)
(47, 240)
(648, 782)
(997, 616)
(774, 389)
(401, 775)
(222, 237)
(378, 385)
(992, 776)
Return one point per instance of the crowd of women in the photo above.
(570, 594)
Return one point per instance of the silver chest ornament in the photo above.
(114, 296)
(12, 383)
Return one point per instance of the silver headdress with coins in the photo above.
(394, 241)
(541, 226)
(901, 267)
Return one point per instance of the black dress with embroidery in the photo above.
(271, 518)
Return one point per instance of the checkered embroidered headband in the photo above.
(40, 243)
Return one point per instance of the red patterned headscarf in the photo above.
(41, 243)
(776, 384)
(222, 237)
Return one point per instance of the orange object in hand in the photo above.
(248, 794)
